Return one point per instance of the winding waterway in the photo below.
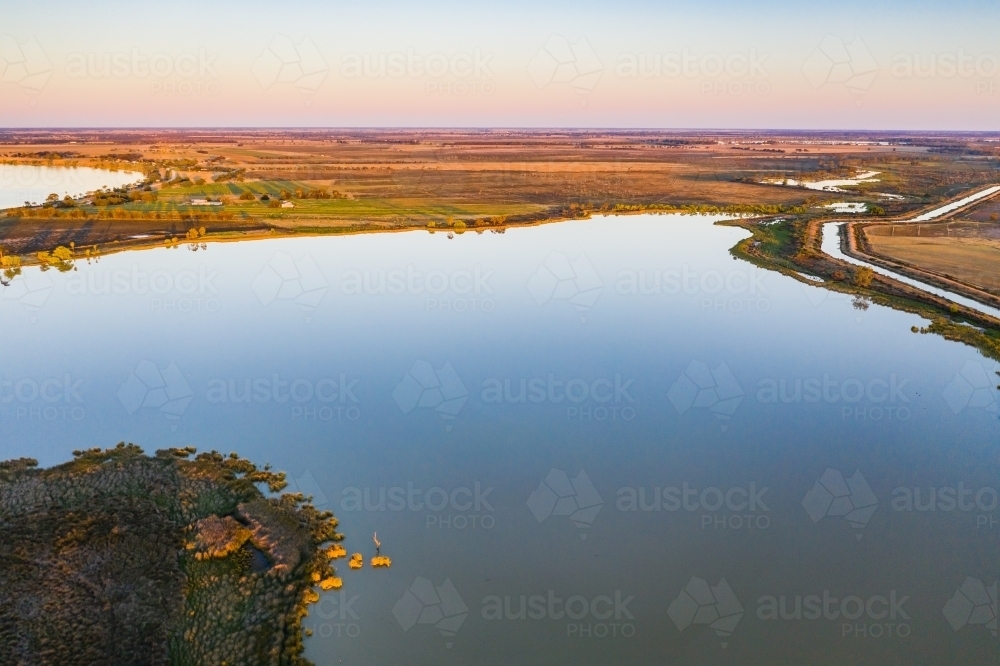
(831, 245)
(604, 441)
(831, 241)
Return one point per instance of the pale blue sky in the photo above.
(905, 65)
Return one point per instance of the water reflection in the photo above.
(603, 441)
(24, 183)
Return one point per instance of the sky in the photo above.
(774, 64)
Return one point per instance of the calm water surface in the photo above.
(604, 441)
(20, 183)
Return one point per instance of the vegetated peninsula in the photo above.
(120, 558)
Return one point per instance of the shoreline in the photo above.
(270, 232)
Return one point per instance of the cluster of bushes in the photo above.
(231, 174)
(318, 193)
(185, 181)
(101, 566)
(120, 196)
(300, 193)
(61, 257)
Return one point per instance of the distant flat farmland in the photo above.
(966, 251)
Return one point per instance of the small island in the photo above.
(118, 557)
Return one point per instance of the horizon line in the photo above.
(485, 128)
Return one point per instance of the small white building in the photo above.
(287, 204)
(205, 202)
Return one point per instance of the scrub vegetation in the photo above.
(178, 558)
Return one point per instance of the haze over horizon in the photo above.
(873, 66)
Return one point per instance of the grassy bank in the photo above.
(792, 247)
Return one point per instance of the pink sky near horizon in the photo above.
(591, 69)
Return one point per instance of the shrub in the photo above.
(863, 276)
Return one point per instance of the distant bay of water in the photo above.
(20, 183)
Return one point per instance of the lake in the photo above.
(601, 441)
(20, 183)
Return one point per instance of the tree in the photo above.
(863, 277)
(247, 195)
